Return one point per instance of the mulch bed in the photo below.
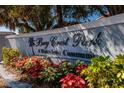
(3, 84)
(13, 71)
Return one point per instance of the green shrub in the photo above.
(8, 54)
(104, 72)
(54, 73)
(51, 76)
(119, 59)
(65, 68)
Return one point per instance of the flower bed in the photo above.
(101, 72)
(40, 71)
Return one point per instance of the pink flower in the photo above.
(72, 81)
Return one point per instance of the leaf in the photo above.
(122, 76)
(119, 74)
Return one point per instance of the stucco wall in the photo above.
(112, 36)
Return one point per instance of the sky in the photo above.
(4, 29)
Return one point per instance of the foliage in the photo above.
(101, 72)
(119, 59)
(13, 61)
(37, 18)
(34, 71)
(32, 66)
(65, 68)
(21, 62)
(56, 71)
(72, 81)
(80, 68)
(50, 74)
(8, 55)
(104, 72)
(27, 62)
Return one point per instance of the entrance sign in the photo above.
(67, 45)
(64, 45)
(78, 42)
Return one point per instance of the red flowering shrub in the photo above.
(21, 62)
(72, 81)
(54, 65)
(32, 66)
(35, 59)
(13, 61)
(32, 61)
(80, 68)
(34, 71)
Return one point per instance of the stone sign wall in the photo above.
(78, 42)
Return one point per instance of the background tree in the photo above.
(38, 18)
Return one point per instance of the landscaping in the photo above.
(102, 72)
(2, 83)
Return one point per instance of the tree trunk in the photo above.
(109, 10)
(59, 15)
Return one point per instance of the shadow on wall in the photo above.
(104, 40)
(112, 40)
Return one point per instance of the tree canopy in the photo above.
(33, 18)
